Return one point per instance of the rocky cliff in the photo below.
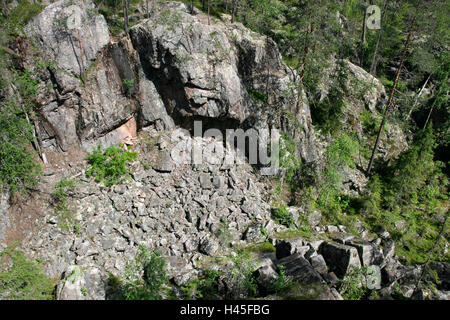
(175, 68)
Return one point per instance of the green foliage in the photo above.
(59, 197)
(21, 278)
(264, 232)
(412, 189)
(327, 113)
(129, 86)
(339, 155)
(288, 158)
(170, 19)
(242, 273)
(262, 247)
(112, 10)
(261, 15)
(18, 168)
(146, 277)
(59, 194)
(412, 170)
(224, 234)
(282, 283)
(370, 122)
(204, 287)
(19, 16)
(259, 96)
(373, 198)
(282, 216)
(353, 286)
(110, 165)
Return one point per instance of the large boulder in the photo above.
(287, 247)
(369, 253)
(340, 258)
(299, 269)
(81, 284)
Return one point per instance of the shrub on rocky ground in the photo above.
(110, 165)
(22, 278)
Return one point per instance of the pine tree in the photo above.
(413, 168)
(387, 108)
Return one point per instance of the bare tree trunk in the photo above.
(81, 57)
(39, 140)
(305, 52)
(428, 117)
(9, 51)
(5, 9)
(267, 70)
(363, 36)
(233, 10)
(209, 22)
(303, 67)
(374, 59)
(391, 96)
(434, 102)
(417, 97)
(125, 16)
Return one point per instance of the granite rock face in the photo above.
(176, 68)
(90, 84)
(221, 73)
(71, 33)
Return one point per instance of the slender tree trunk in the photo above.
(429, 115)
(9, 51)
(438, 93)
(374, 59)
(81, 57)
(417, 98)
(305, 52)
(233, 10)
(303, 67)
(125, 16)
(391, 96)
(209, 22)
(363, 36)
(5, 9)
(39, 140)
(192, 6)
